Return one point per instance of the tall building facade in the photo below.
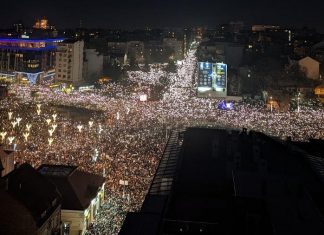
(27, 59)
(69, 61)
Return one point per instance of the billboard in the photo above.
(212, 79)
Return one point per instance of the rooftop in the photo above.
(235, 182)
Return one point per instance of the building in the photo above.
(7, 163)
(212, 79)
(217, 181)
(82, 195)
(310, 67)
(175, 46)
(135, 50)
(69, 62)
(29, 60)
(30, 204)
(93, 64)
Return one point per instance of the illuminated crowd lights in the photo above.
(133, 149)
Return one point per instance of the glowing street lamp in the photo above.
(54, 126)
(18, 120)
(271, 103)
(95, 155)
(14, 124)
(38, 106)
(50, 141)
(48, 121)
(117, 116)
(298, 99)
(50, 131)
(3, 135)
(79, 127)
(28, 126)
(54, 116)
(38, 112)
(11, 139)
(100, 129)
(10, 115)
(90, 124)
(26, 134)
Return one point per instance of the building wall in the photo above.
(14, 217)
(75, 219)
(69, 62)
(80, 220)
(310, 67)
(94, 64)
(52, 225)
(7, 161)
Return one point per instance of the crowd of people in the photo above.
(122, 137)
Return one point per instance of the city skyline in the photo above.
(145, 13)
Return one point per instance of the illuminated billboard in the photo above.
(212, 79)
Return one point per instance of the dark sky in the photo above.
(163, 13)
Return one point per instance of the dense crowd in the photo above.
(122, 137)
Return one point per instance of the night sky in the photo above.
(163, 13)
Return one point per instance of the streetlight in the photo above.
(3, 135)
(50, 131)
(54, 126)
(90, 124)
(26, 134)
(28, 126)
(298, 99)
(10, 115)
(54, 116)
(38, 112)
(79, 127)
(14, 124)
(18, 119)
(95, 155)
(11, 139)
(271, 103)
(48, 121)
(50, 141)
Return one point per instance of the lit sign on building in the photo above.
(212, 79)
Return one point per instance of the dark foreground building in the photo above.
(213, 181)
(29, 203)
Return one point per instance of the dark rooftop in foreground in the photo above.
(77, 187)
(216, 181)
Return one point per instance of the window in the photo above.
(66, 228)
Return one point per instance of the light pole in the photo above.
(271, 103)
(298, 100)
